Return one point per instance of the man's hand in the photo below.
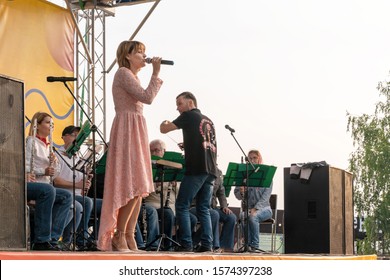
(80, 184)
(167, 126)
(226, 210)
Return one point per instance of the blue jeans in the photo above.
(82, 229)
(254, 225)
(51, 210)
(214, 216)
(201, 187)
(98, 206)
(152, 228)
(68, 236)
(227, 232)
(44, 196)
(169, 222)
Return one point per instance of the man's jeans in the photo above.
(227, 232)
(152, 228)
(201, 187)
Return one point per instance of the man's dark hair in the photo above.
(188, 95)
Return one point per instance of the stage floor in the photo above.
(35, 255)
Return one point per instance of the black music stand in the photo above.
(239, 175)
(71, 151)
(164, 171)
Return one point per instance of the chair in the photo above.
(272, 221)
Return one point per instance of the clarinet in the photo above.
(243, 201)
(32, 169)
(51, 148)
(167, 199)
(144, 224)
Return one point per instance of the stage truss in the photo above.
(90, 55)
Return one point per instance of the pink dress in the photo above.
(128, 165)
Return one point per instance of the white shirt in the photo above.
(66, 165)
(41, 159)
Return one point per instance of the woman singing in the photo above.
(128, 170)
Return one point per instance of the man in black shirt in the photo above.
(200, 150)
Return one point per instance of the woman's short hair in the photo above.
(125, 48)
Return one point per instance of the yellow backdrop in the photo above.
(36, 41)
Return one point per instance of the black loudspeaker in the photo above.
(318, 213)
(13, 227)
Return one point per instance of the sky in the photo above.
(282, 73)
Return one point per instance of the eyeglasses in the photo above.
(156, 150)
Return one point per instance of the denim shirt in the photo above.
(258, 197)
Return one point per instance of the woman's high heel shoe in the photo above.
(130, 240)
(119, 242)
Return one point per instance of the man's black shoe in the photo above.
(183, 249)
(68, 247)
(149, 249)
(45, 246)
(90, 246)
(202, 249)
(255, 250)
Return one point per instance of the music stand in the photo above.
(238, 175)
(83, 134)
(164, 171)
(71, 151)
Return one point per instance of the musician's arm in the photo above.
(167, 126)
(62, 183)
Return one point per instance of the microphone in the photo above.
(51, 79)
(229, 128)
(166, 62)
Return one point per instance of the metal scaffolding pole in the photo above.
(90, 59)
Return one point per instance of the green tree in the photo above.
(370, 164)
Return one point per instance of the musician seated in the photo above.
(51, 206)
(70, 178)
(258, 204)
(157, 148)
(170, 191)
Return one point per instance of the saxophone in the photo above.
(51, 148)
